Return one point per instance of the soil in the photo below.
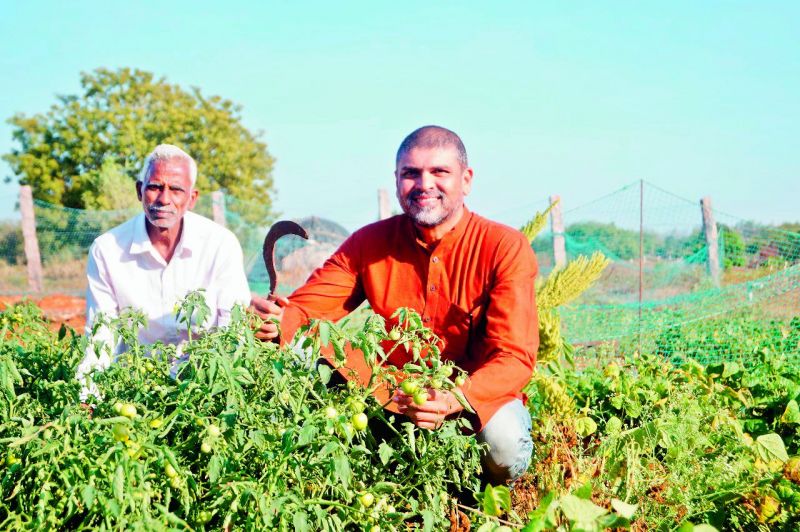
(59, 309)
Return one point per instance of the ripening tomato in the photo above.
(120, 432)
(170, 471)
(360, 421)
(366, 499)
(128, 410)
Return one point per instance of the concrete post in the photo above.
(32, 255)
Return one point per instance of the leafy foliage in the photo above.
(120, 116)
(243, 434)
(684, 442)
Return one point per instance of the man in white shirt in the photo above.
(153, 260)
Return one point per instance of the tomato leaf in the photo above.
(581, 512)
(119, 483)
(325, 373)
(385, 452)
(341, 466)
(770, 447)
(791, 414)
(300, 521)
(623, 509)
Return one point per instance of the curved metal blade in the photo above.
(278, 229)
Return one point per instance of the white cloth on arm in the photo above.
(126, 271)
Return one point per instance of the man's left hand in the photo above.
(432, 413)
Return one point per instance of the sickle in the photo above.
(278, 229)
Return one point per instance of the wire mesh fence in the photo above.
(659, 294)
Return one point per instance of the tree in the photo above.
(109, 189)
(118, 118)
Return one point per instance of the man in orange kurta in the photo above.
(471, 280)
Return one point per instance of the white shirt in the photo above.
(126, 271)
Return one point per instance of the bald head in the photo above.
(428, 137)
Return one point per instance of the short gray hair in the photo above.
(166, 152)
(433, 137)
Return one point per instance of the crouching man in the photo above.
(471, 280)
(153, 260)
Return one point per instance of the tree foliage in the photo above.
(120, 116)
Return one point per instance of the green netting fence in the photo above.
(656, 296)
(680, 311)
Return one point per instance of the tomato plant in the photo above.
(243, 434)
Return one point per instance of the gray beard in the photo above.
(427, 216)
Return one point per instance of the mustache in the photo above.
(416, 194)
(162, 210)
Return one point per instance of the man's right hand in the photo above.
(270, 310)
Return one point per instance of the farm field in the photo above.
(249, 436)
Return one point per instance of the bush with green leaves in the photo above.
(248, 435)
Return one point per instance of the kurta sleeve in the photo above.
(331, 292)
(507, 354)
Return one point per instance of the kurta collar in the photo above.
(451, 236)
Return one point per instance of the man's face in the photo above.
(432, 184)
(168, 193)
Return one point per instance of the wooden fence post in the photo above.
(557, 228)
(32, 255)
(384, 208)
(218, 207)
(712, 239)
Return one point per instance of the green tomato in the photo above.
(128, 410)
(394, 334)
(149, 367)
(357, 406)
(117, 408)
(409, 387)
(120, 432)
(331, 413)
(460, 380)
(11, 459)
(446, 371)
(170, 471)
(205, 448)
(366, 499)
(436, 384)
(204, 517)
(420, 398)
(214, 431)
(175, 482)
(156, 423)
(360, 421)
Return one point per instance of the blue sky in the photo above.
(574, 98)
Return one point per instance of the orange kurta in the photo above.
(474, 289)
